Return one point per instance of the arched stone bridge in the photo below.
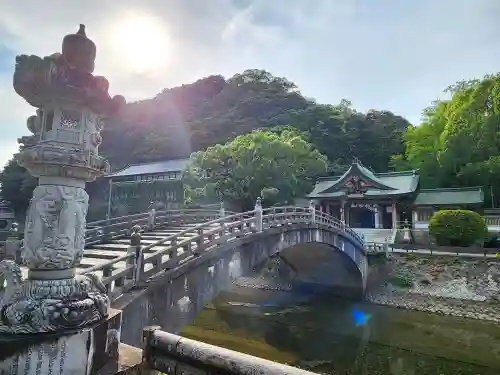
(169, 281)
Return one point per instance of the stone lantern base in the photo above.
(84, 352)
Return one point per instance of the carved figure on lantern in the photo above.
(55, 227)
(63, 152)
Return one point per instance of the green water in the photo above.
(320, 334)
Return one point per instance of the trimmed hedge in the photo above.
(457, 228)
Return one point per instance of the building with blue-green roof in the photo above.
(364, 199)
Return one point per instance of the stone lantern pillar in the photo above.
(63, 153)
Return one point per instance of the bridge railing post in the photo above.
(137, 260)
(222, 210)
(312, 212)
(200, 242)
(151, 218)
(258, 215)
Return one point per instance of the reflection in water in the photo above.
(336, 336)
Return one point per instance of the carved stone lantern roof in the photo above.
(66, 77)
(79, 51)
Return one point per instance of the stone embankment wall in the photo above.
(460, 286)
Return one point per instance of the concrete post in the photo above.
(151, 218)
(136, 249)
(62, 153)
(312, 212)
(222, 210)
(258, 215)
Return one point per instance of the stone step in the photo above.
(168, 234)
(145, 241)
(117, 252)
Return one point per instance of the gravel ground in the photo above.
(442, 285)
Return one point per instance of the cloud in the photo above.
(386, 54)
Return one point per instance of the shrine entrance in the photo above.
(362, 215)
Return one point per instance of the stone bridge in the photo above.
(168, 282)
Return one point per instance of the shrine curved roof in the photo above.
(450, 196)
(374, 184)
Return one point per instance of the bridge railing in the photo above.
(143, 262)
(172, 354)
(116, 227)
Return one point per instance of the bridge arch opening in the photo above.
(313, 268)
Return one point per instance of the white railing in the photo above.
(143, 262)
(492, 220)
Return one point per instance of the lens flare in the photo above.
(360, 318)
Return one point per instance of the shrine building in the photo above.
(135, 187)
(364, 199)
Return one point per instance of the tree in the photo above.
(17, 186)
(342, 133)
(280, 166)
(458, 142)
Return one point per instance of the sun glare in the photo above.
(140, 43)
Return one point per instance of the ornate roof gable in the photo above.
(357, 180)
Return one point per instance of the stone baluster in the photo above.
(136, 249)
(386, 249)
(312, 212)
(151, 218)
(258, 215)
(222, 210)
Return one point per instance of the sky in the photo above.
(379, 54)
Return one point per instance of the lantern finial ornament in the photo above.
(81, 30)
(79, 51)
(62, 152)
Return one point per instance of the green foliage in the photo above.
(279, 167)
(457, 227)
(458, 142)
(17, 186)
(402, 279)
(341, 133)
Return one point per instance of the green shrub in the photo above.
(457, 227)
(402, 279)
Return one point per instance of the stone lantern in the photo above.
(62, 152)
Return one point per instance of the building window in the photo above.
(424, 215)
(70, 119)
